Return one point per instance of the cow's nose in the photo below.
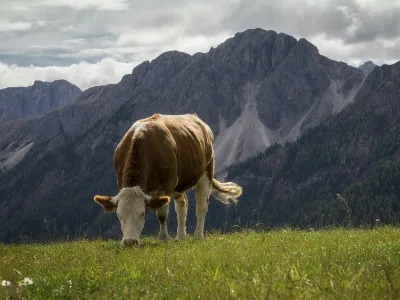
(130, 242)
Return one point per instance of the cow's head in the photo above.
(130, 205)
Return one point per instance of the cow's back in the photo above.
(194, 146)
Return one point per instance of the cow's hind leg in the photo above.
(181, 207)
(162, 215)
(203, 189)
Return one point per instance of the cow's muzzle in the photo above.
(130, 243)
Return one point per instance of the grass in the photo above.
(277, 264)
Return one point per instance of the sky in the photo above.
(94, 42)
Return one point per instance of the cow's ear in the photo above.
(155, 202)
(109, 203)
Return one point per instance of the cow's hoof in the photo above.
(180, 236)
(163, 237)
(199, 235)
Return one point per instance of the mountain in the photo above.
(38, 99)
(255, 89)
(367, 67)
(344, 171)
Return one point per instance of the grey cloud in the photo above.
(343, 20)
(45, 60)
(333, 18)
(372, 26)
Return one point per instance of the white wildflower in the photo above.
(70, 283)
(25, 281)
(5, 283)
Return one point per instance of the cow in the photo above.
(159, 158)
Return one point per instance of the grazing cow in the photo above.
(162, 157)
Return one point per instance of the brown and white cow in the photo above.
(162, 157)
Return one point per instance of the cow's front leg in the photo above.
(181, 207)
(162, 215)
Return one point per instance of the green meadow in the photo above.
(275, 264)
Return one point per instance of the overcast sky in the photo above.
(93, 42)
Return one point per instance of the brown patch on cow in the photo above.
(105, 201)
(156, 201)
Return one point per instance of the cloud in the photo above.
(349, 20)
(146, 37)
(41, 23)
(86, 4)
(67, 32)
(380, 51)
(14, 26)
(199, 43)
(83, 74)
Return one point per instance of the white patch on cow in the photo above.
(131, 212)
(203, 189)
(138, 126)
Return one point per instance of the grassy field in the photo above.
(278, 264)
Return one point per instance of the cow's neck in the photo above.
(136, 169)
(133, 178)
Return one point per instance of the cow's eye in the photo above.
(143, 214)
(119, 217)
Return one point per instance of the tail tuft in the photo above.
(226, 192)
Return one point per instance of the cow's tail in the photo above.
(226, 192)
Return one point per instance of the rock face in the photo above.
(255, 89)
(38, 99)
(355, 153)
(283, 88)
(367, 67)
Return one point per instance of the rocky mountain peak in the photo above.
(173, 55)
(39, 98)
(367, 67)
(306, 45)
(37, 83)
